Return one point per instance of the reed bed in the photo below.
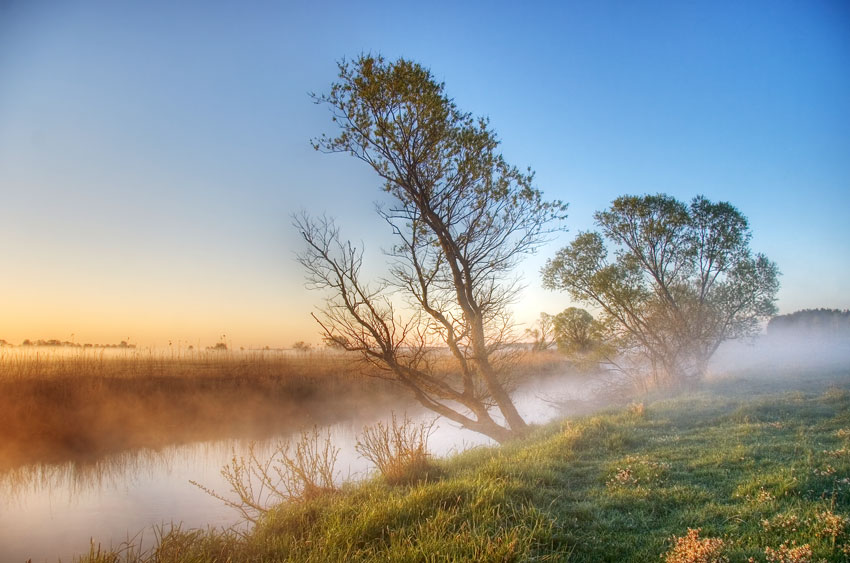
(82, 403)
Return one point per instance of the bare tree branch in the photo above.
(463, 219)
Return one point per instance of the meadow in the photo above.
(744, 468)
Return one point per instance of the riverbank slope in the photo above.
(760, 467)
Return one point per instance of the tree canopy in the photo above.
(576, 331)
(671, 280)
(462, 219)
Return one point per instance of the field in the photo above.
(731, 471)
(58, 405)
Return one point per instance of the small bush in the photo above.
(835, 395)
(785, 523)
(295, 471)
(691, 549)
(634, 471)
(831, 525)
(789, 553)
(399, 450)
(637, 410)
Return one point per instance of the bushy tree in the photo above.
(576, 331)
(671, 281)
(462, 218)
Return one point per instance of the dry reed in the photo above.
(80, 404)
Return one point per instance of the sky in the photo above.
(152, 153)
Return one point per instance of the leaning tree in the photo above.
(682, 279)
(462, 219)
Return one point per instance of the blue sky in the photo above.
(151, 154)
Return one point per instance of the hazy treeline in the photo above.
(55, 343)
(824, 322)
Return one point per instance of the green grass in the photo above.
(747, 464)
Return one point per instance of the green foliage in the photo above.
(672, 281)
(442, 166)
(576, 331)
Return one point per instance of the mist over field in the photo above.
(776, 357)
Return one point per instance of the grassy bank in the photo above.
(760, 473)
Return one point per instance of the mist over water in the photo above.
(49, 511)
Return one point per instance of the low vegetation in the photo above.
(398, 449)
(734, 471)
(296, 470)
(58, 406)
(79, 405)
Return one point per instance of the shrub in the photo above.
(785, 553)
(691, 549)
(399, 449)
(831, 525)
(295, 471)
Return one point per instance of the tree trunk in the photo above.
(494, 386)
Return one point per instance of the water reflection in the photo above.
(49, 512)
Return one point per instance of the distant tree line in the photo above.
(54, 343)
(832, 322)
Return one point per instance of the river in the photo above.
(53, 512)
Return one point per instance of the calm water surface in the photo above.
(52, 512)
